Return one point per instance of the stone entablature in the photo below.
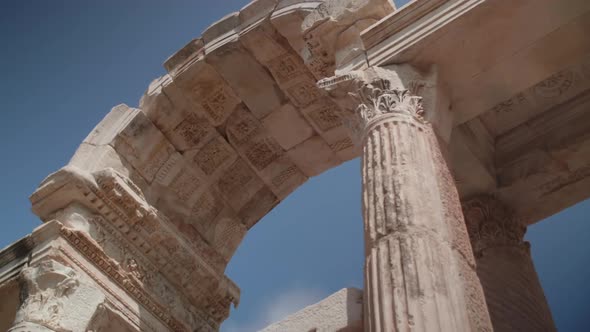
(112, 224)
(65, 284)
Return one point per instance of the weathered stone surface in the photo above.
(10, 294)
(239, 69)
(313, 156)
(287, 126)
(331, 32)
(207, 91)
(504, 264)
(288, 18)
(418, 272)
(341, 311)
(190, 50)
(156, 200)
(56, 298)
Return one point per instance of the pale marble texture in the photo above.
(443, 100)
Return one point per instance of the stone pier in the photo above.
(513, 292)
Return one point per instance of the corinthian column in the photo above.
(513, 292)
(419, 270)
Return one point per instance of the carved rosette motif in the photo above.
(491, 223)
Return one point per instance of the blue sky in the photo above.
(64, 64)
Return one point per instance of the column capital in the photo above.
(491, 223)
(371, 96)
(378, 100)
(55, 297)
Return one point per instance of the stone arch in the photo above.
(236, 125)
(239, 122)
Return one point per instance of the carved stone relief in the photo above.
(491, 223)
(207, 90)
(367, 97)
(213, 155)
(55, 298)
(333, 27)
(553, 90)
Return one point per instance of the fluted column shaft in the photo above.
(419, 271)
(512, 288)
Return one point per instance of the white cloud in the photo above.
(277, 309)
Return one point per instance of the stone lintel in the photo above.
(388, 41)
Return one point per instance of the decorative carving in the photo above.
(213, 155)
(232, 185)
(135, 270)
(47, 285)
(366, 97)
(123, 251)
(510, 104)
(215, 102)
(490, 223)
(170, 245)
(184, 185)
(122, 194)
(193, 268)
(167, 169)
(144, 220)
(555, 85)
(565, 180)
(304, 92)
(320, 61)
(156, 159)
(263, 152)
(242, 126)
(209, 261)
(286, 67)
(126, 309)
(143, 146)
(342, 144)
(121, 277)
(284, 175)
(149, 225)
(207, 208)
(193, 130)
(377, 100)
(324, 114)
(227, 236)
